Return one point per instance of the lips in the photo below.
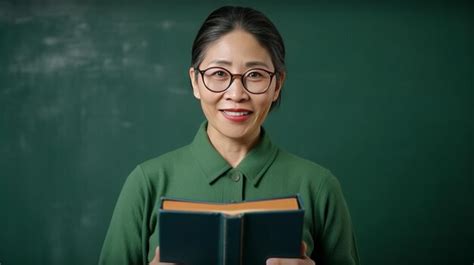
(236, 115)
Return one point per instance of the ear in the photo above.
(194, 83)
(279, 84)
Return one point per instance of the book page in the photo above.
(283, 204)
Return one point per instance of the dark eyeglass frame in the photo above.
(233, 76)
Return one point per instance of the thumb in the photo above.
(304, 248)
(156, 259)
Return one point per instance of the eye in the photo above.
(217, 74)
(256, 75)
(220, 73)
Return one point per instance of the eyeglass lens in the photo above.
(219, 79)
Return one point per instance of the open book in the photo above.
(249, 232)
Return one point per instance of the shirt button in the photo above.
(236, 177)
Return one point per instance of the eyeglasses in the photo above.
(218, 79)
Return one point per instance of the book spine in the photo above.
(231, 240)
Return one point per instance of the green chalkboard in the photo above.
(378, 92)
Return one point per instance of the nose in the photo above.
(236, 91)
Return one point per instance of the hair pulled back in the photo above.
(228, 18)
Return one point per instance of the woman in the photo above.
(237, 73)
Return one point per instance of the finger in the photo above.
(157, 253)
(305, 260)
(275, 261)
(156, 259)
(304, 248)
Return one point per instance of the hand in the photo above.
(304, 261)
(156, 259)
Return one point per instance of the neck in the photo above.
(231, 149)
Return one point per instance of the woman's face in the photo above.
(235, 113)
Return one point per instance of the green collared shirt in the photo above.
(197, 171)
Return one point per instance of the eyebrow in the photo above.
(248, 64)
(256, 63)
(221, 62)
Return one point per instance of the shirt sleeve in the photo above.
(124, 242)
(335, 243)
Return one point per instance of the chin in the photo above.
(240, 132)
(234, 133)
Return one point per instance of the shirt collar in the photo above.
(253, 166)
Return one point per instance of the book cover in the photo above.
(243, 233)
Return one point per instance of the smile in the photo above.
(237, 115)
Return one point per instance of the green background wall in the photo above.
(378, 92)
